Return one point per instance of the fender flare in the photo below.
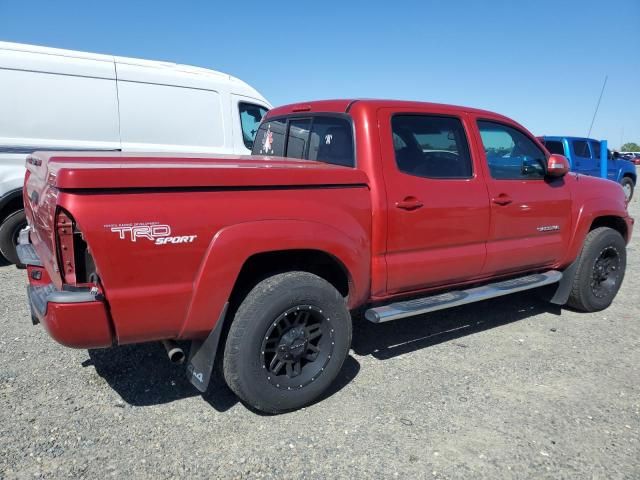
(232, 246)
(589, 211)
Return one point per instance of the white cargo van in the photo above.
(52, 99)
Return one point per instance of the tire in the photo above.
(9, 230)
(287, 314)
(601, 267)
(627, 186)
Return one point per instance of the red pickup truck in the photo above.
(388, 208)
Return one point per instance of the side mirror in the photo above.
(557, 165)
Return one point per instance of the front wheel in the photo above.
(9, 231)
(601, 267)
(627, 186)
(287, 342)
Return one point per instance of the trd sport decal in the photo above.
(158, 233)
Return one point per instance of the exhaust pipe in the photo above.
(174, 352)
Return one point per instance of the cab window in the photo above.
(270, 138)
(431, 146)
(320, 138)
(555, 146)
(250, 118)
(511, 155)
(581, 148)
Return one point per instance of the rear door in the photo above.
(438, 208)
(530, 214)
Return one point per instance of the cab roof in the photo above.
(347, 105)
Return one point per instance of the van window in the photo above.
(167, 115)
(319, 138)
(555, 146)
(250, 118)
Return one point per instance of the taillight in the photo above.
(74, 258)
(66, 250)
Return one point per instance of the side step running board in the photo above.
(409, 308)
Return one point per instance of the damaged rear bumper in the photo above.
(74, 316)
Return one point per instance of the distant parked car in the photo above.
(584, 157)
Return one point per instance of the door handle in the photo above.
(502, 199)
(409, 203)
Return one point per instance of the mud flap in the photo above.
(202, 355)
(561, 296)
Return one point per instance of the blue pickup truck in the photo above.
(584, 157)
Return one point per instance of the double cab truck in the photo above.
(383, 208)
(584, 157)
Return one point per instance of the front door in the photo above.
(530, 214)
(437, 204)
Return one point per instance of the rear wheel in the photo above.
(627, 186)
(9, 231)
(287, 343)
(601, 267)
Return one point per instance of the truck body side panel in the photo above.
(165, 290)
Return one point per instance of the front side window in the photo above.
(250, 118)
(511, 154)
(320, 138)
(581, 148)
(431, 146)
(595, 150)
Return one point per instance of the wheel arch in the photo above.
(10, 203)
(612, 221)
(630, 175)
(241, 255)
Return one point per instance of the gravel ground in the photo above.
(508, 388)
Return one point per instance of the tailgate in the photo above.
(40, 199)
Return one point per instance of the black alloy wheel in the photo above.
(297, 347)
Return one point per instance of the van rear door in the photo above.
(56, 102)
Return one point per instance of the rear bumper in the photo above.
(75, 317)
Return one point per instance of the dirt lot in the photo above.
(510, 388)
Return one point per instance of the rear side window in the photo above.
(511, 155)
(595, 149)
(431, 146)
(581, 148)
(320, 138)
(555, 146)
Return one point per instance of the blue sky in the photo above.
(541, 63)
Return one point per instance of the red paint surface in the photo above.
(237, 207)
